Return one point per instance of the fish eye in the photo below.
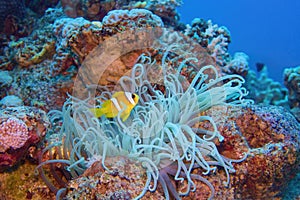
(132, 96)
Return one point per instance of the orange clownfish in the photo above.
(111, 108)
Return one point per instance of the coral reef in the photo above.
(192, 135)
(11, 101)
(154, 134)
(292, 191)
(120, 20)
(125, 180)
(212, 37)
(36, 47)
(23, 183)
(78, 35)
(37, 67)
(276, 123)
(91, 10)
(292, 82)
(20, 128)
(166, 9)
(9, 8)
(5, 82)
(273, 137)
(14, 134)
(237, 65)
(40, 6)
(97, 10)
(263, 90)
(273, 157)
(82, 36)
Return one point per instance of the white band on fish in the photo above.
(129, 97)
(116, 104)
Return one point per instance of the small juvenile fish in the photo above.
(110, 108)
(259, 66)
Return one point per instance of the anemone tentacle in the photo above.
(162, 131)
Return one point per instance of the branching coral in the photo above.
(162, 133)
(263, 90)
(216, 39)
(292, 82)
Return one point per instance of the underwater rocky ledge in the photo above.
(44, 48)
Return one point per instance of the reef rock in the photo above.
(125, 179)
(269, 135)
(21, 128)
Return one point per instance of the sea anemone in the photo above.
(162, 132)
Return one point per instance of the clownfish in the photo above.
(111, 108)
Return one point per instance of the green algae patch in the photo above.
(22, 183)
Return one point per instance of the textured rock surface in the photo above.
(270, 136)
(23, 183)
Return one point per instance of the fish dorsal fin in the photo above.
(129, 97)
(116, 94)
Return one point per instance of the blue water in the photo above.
(267, 30)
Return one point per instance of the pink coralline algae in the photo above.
(14, 133)
(21, 129)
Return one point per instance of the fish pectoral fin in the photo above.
(98, 112)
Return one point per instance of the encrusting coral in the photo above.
(162, 133)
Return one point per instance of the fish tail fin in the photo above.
(98, 112)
